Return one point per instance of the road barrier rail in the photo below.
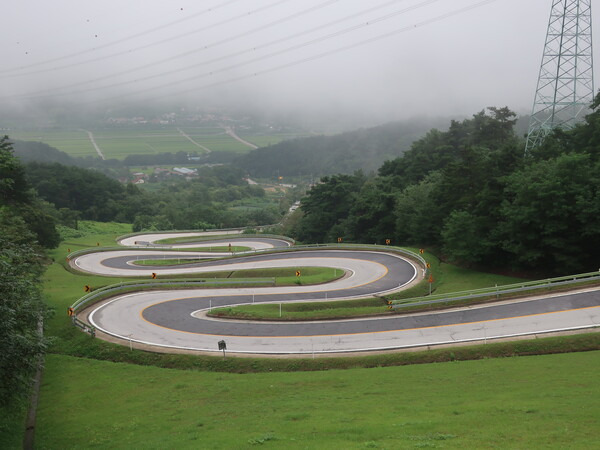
(105, 292)
(167, 247)
(295, 248)
(495, 291)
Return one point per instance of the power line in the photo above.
(324, 54)
(249, 50)
(295, 47)
(129, 51)
(303, 60)
(112, 43)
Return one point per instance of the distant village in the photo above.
(160, 174)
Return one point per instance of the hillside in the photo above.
(364, 149)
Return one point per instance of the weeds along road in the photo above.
(176, 318)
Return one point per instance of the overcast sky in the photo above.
(380, 58)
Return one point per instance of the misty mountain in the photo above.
(364, 149)
(30, 151)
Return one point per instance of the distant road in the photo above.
(93, 141)
(185, 135)
(231, 133)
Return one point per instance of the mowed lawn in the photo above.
(548, 401)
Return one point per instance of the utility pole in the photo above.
(565, 86)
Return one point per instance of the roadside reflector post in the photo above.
(223, 346)
(279, 309)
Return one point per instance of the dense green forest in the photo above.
(213, 199)
(25, 228)
(472, 193)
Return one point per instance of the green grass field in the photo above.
(150, 400)
(72, 142)
(533, 402)
(121, 142)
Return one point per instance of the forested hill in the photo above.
(28, 151)
(364, 149)
(473, 195)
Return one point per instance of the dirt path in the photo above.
(185, 135)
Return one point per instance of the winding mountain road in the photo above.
(176, 319)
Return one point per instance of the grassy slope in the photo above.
(12, 425)
(534, 402)
(524, 402)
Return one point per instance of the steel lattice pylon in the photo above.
(565, 86)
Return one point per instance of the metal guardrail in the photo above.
(84, 326)
(240, 229)
(294, 248)
(113, 289)
(496, 291)
(110, 290)
(151, 247)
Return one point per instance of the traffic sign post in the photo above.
(430, 281)
(153, 275)
(223, 346)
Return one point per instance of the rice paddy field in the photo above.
(118, 143)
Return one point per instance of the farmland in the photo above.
(118, 143)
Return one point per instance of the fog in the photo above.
(372, 61)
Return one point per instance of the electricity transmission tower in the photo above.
(565, 86)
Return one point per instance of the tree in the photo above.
(327, 205)
(551, 215)
(14, 188)
(20, 200)
(21, 307)
(465, 239)
(371, 218)
(415, 213)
